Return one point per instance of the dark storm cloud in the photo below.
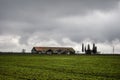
(58, 19)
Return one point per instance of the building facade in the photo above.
(53, 50)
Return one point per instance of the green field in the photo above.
(60, 67)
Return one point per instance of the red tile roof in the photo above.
(52, 48)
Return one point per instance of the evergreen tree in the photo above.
(93, 50)
(88, 47)
(88, 50)
(82, 47)
(85, 49)
(96, 50)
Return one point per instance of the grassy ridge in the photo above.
(52, 67)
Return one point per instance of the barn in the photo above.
(53, 50)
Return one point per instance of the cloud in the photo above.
(58, 23)
(8, 41)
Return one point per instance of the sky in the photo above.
(62, 23)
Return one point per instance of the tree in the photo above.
(82, 47)
(94, 49)
(88, 50)
(23, 50)
(88, 47)
(85, 49)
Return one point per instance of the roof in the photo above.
(53, 48)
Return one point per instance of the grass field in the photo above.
(60, 67)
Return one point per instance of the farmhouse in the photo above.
(53, 50)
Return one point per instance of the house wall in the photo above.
(33, 51)
(54, 51)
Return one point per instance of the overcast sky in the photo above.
(28, 23)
